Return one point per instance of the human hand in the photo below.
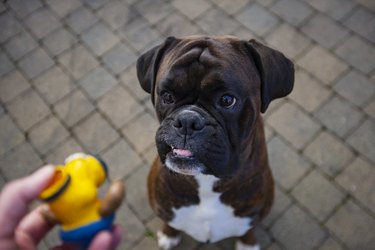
(23, 230)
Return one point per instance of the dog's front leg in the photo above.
(168, 237)
(247, 241)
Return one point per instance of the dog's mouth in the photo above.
(180, 152)
(183, 161)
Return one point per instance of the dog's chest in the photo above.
(210, 220)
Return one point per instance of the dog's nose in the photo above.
(188, 121)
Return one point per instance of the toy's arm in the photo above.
(112, 199)
(48, 215)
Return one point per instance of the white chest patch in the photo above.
(210, 220)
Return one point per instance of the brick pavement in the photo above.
(68, 83)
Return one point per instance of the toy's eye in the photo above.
(227, 101)
(167, 97)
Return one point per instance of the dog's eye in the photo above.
(227, 101)
(167, 97)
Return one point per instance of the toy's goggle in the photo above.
(58, 184)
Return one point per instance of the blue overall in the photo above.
(82, 236)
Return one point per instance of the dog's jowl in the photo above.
(211, 179)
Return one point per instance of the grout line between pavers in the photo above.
(128, 124)
(267, 33)
(329, 178)
(355, 8)
(127, 87)
(72, 31)
(138, 15)
(295, 202)
(308, 114)
(332, 49)
(118, 130)
(9, 8)
(331, 84)
(10, 11)
(343, 139)
(333, 212)
(304, 51)
(73, 82)
(122, 38)
(35, 90)
(191, 21)
(104, 22)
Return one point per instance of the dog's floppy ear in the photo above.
(276, 72)
(148, 64)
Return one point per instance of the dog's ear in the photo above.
(276, 72)
(148, 64)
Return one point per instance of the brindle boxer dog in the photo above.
(212, 179)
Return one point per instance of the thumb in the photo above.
(107, 240)
(17, 195)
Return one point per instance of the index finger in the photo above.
(33, 226)
(17, 195)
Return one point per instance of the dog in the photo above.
(211, 178)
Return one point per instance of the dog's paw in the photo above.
(165, 242)
(242, 246)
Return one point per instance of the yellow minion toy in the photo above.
(72, 198)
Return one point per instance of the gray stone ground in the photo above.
(68, 83)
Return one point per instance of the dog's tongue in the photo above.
(182, 152)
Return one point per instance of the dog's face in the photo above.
(208, 93)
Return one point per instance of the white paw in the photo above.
(242, 246)
(165, 242)
(75, 156)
